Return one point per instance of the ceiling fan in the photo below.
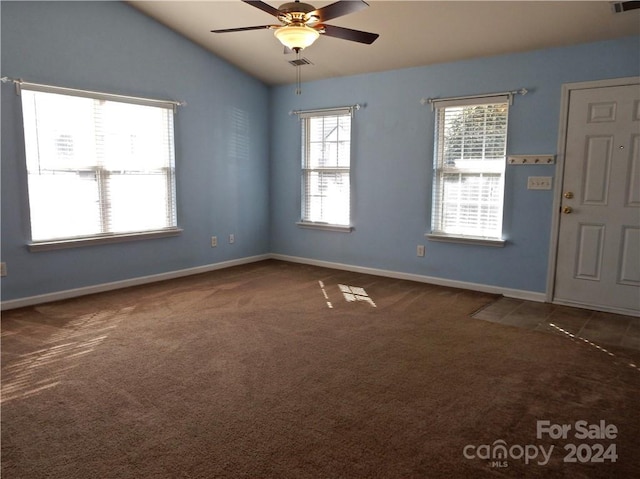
(301, 24)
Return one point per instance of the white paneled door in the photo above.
(598, 251)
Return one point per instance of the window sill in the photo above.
(325, 226)
(477, 240)
(103, 239)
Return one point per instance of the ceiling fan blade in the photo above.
(338, 9)
(243, 29)
(263, 6)
(349, 34)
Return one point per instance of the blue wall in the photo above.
(238, 151)
(222, 142)
(392, 161)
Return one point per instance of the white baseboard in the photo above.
(100, 288)
(508, 292)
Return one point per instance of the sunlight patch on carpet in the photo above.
(590, 343)
(326, 296)
(31, 374)
(354, 293)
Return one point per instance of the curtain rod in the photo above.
(511, 94)
(18, 82)
(320, 110)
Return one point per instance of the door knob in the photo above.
(567, 210)
(568, 195)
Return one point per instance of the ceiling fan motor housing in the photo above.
(294, 7)
(296, 13)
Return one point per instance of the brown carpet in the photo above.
(268, 371)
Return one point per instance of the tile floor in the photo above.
(600, 328)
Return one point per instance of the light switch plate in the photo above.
(539, 183)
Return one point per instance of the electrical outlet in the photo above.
(420, 250)
(214, 241)
(232, 238)
(3, 269)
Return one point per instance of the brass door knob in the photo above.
(567, 210)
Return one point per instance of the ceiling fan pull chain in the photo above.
(298, 87)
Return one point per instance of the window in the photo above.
(469, 164)
(97, 166)
(326, 159)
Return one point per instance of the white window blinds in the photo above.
(97, 166)
(326, 163)
(469, 162)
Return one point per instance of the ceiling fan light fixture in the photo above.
(296, 37)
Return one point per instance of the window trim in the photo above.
(170, 174)
(477, 240)
(434, 235)
(38, 246)
(304, 117)
(96, 95)
(324, 226)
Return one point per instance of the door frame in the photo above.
(567, 89)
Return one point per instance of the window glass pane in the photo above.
(329, 141)
(133, 200)
(343, 159)
(325, 175)
(64, 204)
(471, 204)
(134, 137)
(59, 131)
(316, 156)
(469, 170)
(97, 166)
(327, 198)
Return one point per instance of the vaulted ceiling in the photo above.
(412, 33)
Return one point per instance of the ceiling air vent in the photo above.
(298, 62)
(619, 7)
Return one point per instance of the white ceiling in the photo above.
(412, 33)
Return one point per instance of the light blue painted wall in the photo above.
(222, 142)
(392, 161)
(238, 151)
